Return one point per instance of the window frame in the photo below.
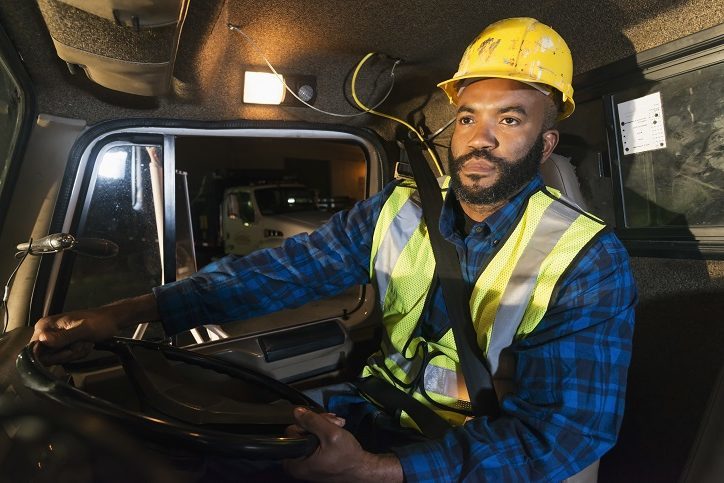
(54, 274)
(688, 54)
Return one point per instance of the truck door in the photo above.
(240, 230)
(124, 188)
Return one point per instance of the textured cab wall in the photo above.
(327, 38)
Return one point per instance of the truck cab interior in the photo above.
(126, 121)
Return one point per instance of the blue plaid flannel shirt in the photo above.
(571, 371)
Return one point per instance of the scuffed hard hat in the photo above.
(521, 49)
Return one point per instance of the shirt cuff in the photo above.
(424, 462)
(176, 307)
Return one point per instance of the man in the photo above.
(560, 378)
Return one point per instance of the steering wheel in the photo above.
(188, 398)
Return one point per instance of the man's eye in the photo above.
(465, 120)
(510, 121)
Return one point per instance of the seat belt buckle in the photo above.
(403, 170)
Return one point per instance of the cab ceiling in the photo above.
(326, 38)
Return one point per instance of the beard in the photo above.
(512, 175)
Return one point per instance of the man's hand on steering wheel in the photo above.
(70, 336)
(339, 456)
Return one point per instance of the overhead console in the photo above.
(125, 45)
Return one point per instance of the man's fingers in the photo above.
(75, 351)
(334, 419)
(56, 337)
(295, 431)
(40, 328)
(338, 457)
(318, 424)
(60, 333)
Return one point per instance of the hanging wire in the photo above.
(363, 107)
(439, 131)
(256, 47)
(387, 116)
(6, 292)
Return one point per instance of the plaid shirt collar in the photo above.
(499, 223)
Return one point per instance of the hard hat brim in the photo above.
(450, 87)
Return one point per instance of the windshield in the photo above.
(277, 200)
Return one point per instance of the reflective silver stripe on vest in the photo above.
(514, 301)
(436, 379)
(394, 241)
(444, 381)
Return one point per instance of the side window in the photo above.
(240, 207)
(682, 185)
(232, 206)
(246, 208)
(124, 198)
(125, 205)
(268, 200)
(665, 137)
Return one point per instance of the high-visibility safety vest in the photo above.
(509, 299)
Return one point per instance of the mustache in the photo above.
(478, 153)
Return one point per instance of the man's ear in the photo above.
(550, 141)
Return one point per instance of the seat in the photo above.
(705, 462)
(559, 173)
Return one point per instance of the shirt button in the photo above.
(478, 229)
(495, 242)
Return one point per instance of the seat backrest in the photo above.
(559, 173)
(705, 462)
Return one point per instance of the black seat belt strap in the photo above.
(390, 398)
(478, 380)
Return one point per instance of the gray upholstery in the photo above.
(706, 460)
(589, 474)
(559, 173)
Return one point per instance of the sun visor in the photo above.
(125, 45)
(133, 13)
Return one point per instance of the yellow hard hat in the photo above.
(521, 49)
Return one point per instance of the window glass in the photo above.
(232, 206)
(683, 184)
(239, 206)
(275, 186)
(246, 208)
(278, 200)
(125, 201)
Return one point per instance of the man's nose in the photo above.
(483, 137)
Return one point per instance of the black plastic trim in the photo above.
(681, 249)
(22, 78)
(620, 74)
(302, 340)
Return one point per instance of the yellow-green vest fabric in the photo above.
(509, 299)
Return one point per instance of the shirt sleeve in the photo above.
(571, 378)
(306, 267)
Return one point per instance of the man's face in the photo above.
(499, 142)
